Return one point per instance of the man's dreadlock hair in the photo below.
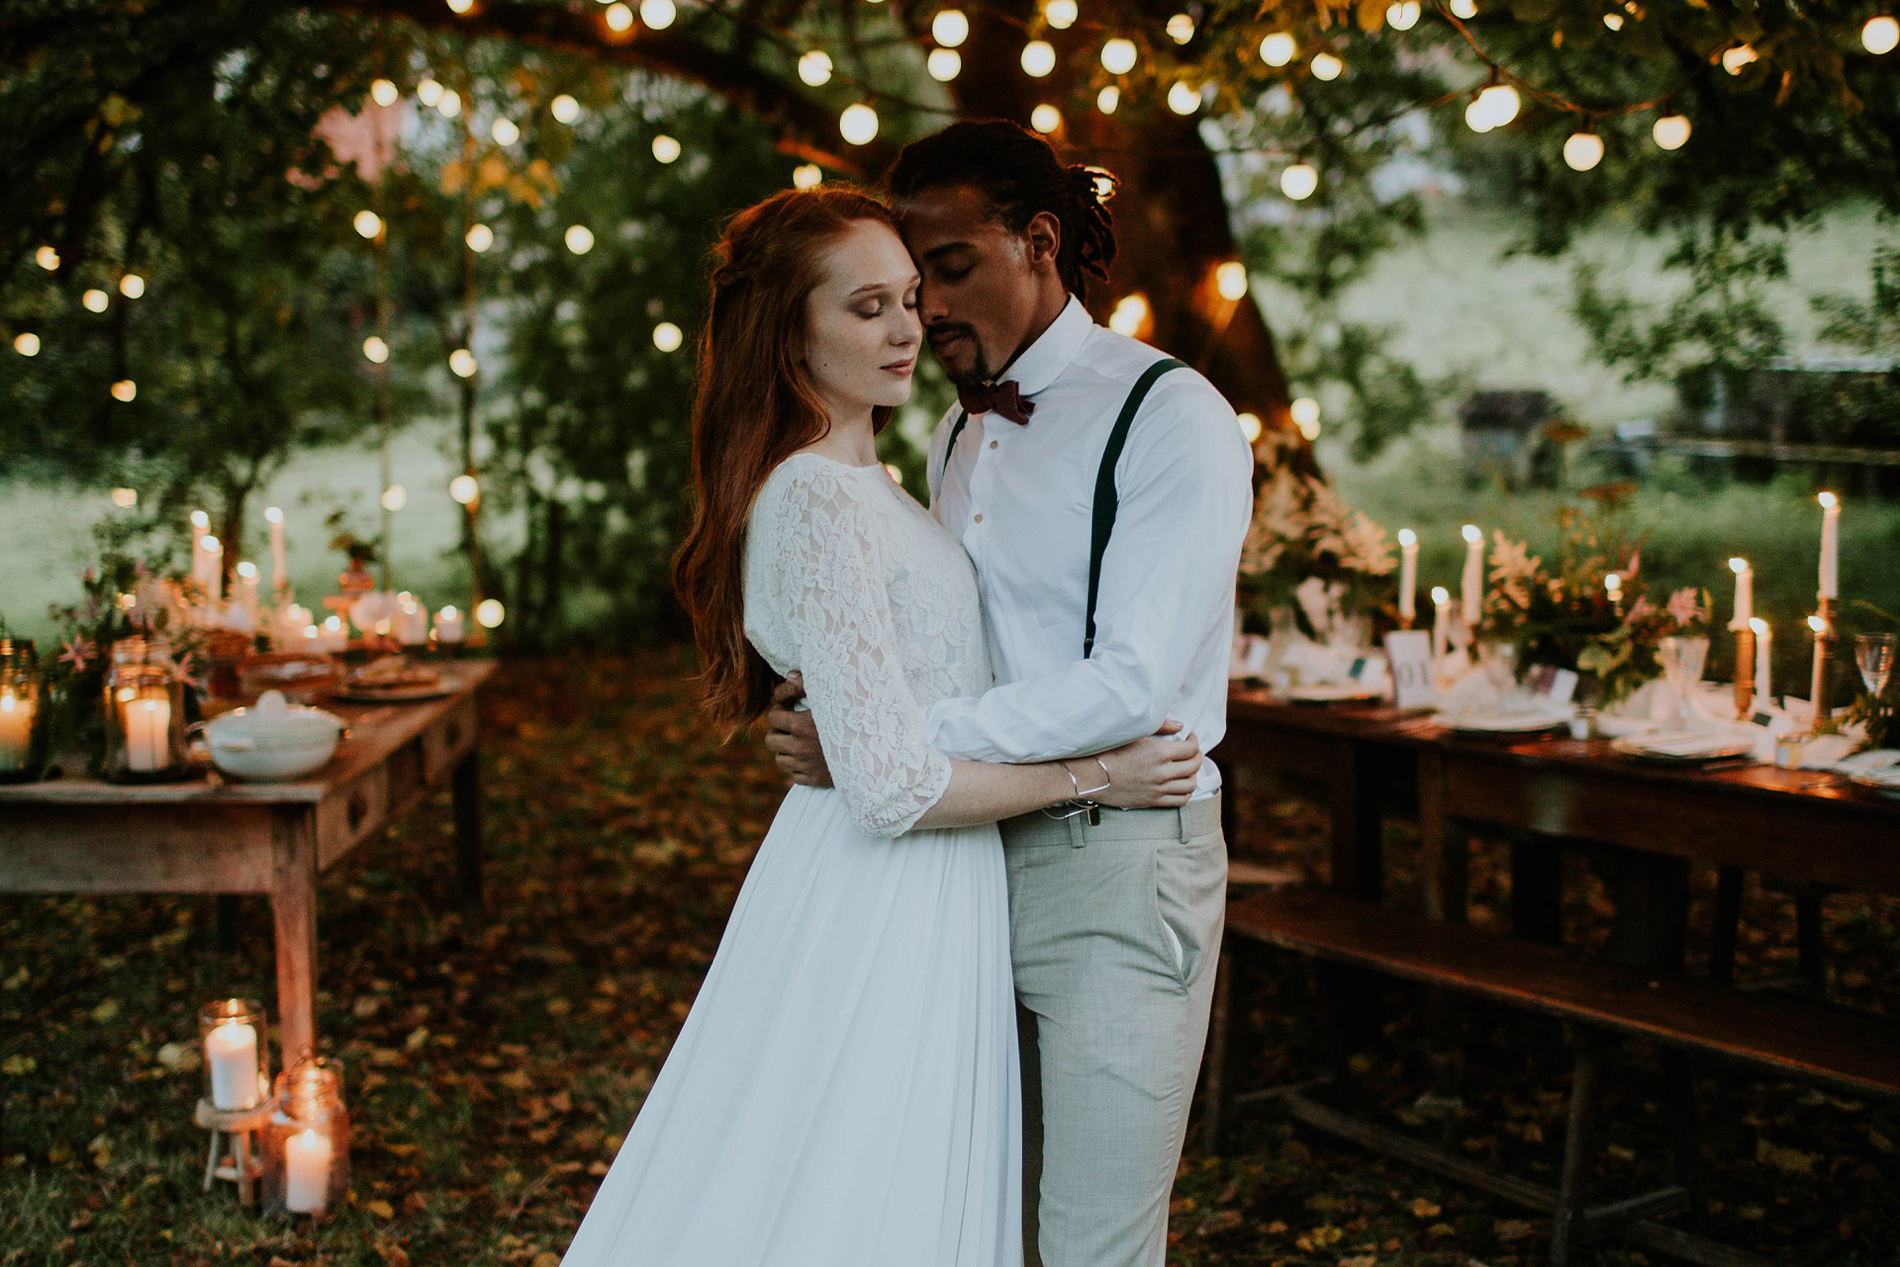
(1019, 175)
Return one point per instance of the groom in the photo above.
(1102, 491)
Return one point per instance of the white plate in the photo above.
(1684, 749)
(1499, 723)
(1886, 780)
(1330, 692)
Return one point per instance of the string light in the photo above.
(950, 28)
(1183, 98)
(1251, 428)
(1402, 15)
(1583, 150)
(464, 490)
(489, 613)
(1108, 99)
(95, 300)
(1131, 315)
(1465, 9)
(944, 64)
(1613, 20)
(579, 239)
(47, 258)
(1180, 28)
(1060, 14)
(1299, 181)
(1496, 106)
(1278, 49)
(1326, 66)
(1305, 413)
(667, 337)
(375, 350)
(429, 92)
(1880, 36)
(504, 131)
(395, 497)
(1045, 118)
(132, 286)
(1039, 58)
(451, 103)
(479, 238)
(125, 498)
(26, 343)
(460, 7)
(618, 17)
(384, 93)
(368, 224)
(463, 364)
(858, 124)
(564, 109)
(124, 390)
(666, 149)
(807, 176)
(1734, 59)
(1671, 131)
(658, 14)
(1118, 56)
(1230, 280)
(814, 68)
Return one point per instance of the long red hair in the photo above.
(754, 407)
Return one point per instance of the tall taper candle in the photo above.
(1764, 641)
(1830, 545)
(1441, 624)
(1744, 594)
(279, 574)
(1408, 577)
(200, 525)
(1472, 591)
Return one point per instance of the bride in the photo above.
(845, 1091)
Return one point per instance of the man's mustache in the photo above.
(949, 329)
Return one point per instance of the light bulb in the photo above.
(858, 124)
(1251, 427)
(489, 613)
(1500, 104)
(1045, 118)
(579, 239)
(1326, 66)
(479, 238)
(95, 300)
(1230, 279)
(464, 490)
(1183, 98)
(1060, 14)
(1108, 99)
(1180, 28)
(1402, 15)
(460, 6)
(26, 343)
(1734, 59)
(807, 176)
(1477, 118)
(47, 258)
(368, 224)
(429, 92)
(132, 286)
(1305, 412)
(814, 68)
(384, 93)
(1299, 181)
(395, 497)
(1583, 150)
(462, 363)
(450, 105)
(1118, 56)
(1039, 58)
(1671, 131)
(665, 148)
(944, 64)
(618, 17)
(658, 14)
(667, 337)
(950, 28)
(504, 131)
(1131, 314)
(1613, 20)
(375, 351)
(1881, 35)
(124, 390)
(1464, 9)
(1278, 49)
(564, 109)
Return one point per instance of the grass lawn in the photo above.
(491, 1074)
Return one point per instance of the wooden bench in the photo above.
(1855, 1052)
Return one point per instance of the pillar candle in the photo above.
(211, 568)
(1441, 624)
(1830, 546)
(16, 728)
(1744, 593)
(1408, 576)
(1472, 592)
(279, 573)
(148, 728)
(448, 625)
(231, 1055)
(1764, 639)
(306, 1172)
(247, 587)
(412, 623)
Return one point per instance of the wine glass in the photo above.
(1682, 659)
(1498, 658)
(1874, 654)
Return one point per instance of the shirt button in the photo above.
(979, 519)
(992, 444)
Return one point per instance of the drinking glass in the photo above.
(1874, 654)
(1498, 658)
(1682, 659)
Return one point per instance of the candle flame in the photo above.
(1738, 566)
(1759, 625)
(1473, 533)
(1612, 582)
(1407, 537)
(199, 519)
(273, 514)
(247, 570)
(212, 545)
(6, 700)
(1828, 501)
(1440, 595)
(1817, 624)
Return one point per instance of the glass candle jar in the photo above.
(22, 701)
(236, 1041)
(145, 714)
(307, 1141)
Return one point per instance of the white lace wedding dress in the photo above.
(845, 1090)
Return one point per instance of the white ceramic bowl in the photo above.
(273, 741)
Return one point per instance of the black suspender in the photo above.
(1107, 499)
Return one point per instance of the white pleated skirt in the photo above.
(845, 1091)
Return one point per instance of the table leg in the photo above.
(466, 793)
(293, 903)
(1444, 846)
(1358, 845)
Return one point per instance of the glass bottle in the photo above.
(307, 1141)
(145, 714)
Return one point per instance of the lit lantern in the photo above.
(658, 14)
(950, 28)
(307, 1141)
(1583, 150)
(144, 714)
(1278, 49)
(1045, 118)
(1184, 98)
(1880, 36)
(20, 693)
(814, 68)
(1326, 66)
(384, 93)
(858, 124)
(1299, 181)
(1060, 14)
(1039, 58)
(236, 1039)
(579, 239)
(1118, 56)
(944, 64)
(564, 109)
(666, 149)
(479, 238)
(1671, 131)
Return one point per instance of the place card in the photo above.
(1408, 654)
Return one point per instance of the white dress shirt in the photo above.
(1021, 499)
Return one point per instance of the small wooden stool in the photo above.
(243, 1164)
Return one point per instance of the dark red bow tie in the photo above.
(1004, 398)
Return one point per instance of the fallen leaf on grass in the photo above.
(1423, 1209)
(380, 1208)
(1514, 1229)
(1789, 1161)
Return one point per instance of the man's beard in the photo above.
(979, 371)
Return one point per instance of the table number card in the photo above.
(1409, 653)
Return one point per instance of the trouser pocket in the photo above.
(1190, 894)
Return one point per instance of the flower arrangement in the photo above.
(1306, 549)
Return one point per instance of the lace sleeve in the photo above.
(869, 723)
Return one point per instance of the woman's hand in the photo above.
(1152, 773)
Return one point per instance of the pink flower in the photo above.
(77, 653)
(1684, 608)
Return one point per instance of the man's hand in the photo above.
(793, 736)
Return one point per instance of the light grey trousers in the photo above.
(1115, 934)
